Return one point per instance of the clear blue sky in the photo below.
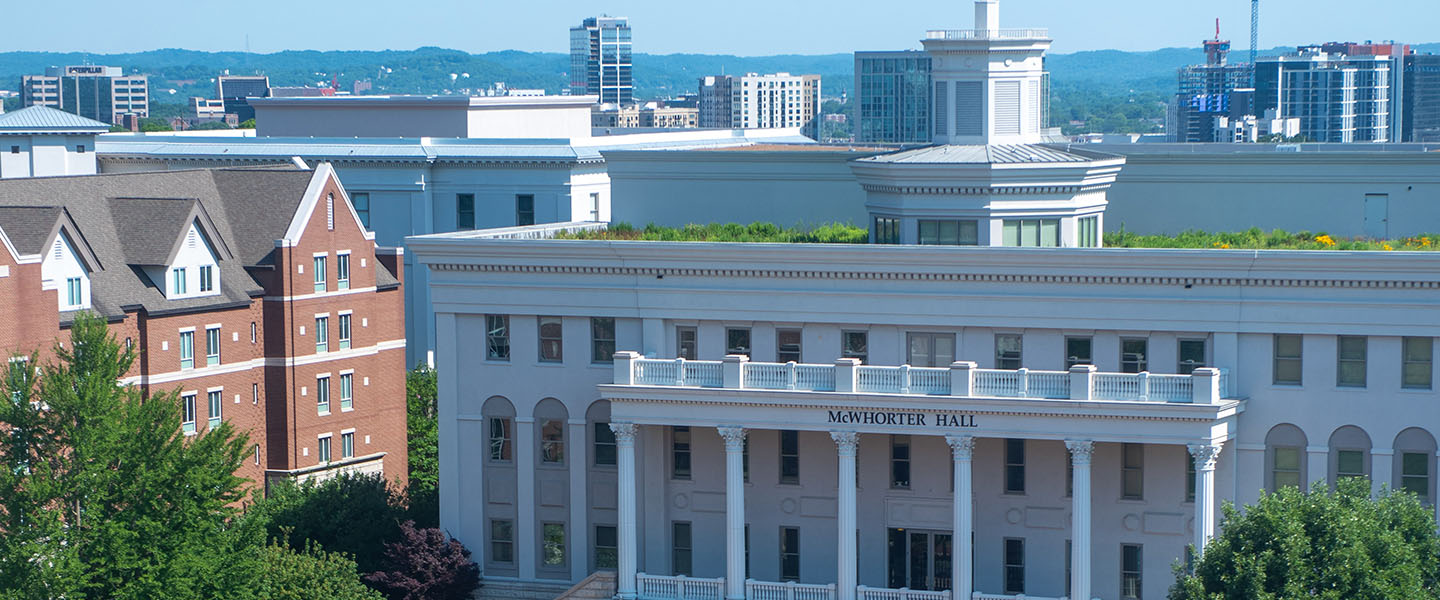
(759, 26)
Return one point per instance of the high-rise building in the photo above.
(756, 101)
(234, 90)
(1340, 92)
(1421, 119)
(92, 91)
(1205, 93)
(893, 92)
(600, 60)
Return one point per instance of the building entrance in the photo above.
(919, 559)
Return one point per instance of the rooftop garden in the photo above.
(1279, 239)
(831, 233)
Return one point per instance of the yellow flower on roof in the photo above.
(1225, 245)
(1387, 246)
(1325, 239)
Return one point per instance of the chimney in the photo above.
(987, 15)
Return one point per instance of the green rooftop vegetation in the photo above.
(1279, 239)
(831, 233)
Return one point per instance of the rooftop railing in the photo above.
(987, 34)
(962, 379)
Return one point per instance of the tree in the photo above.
(353, 514)
(423, 431)
(247, 124)
(309, 574)
(149, 124)
(211, 125)
(1339, 545)
(101, 493)
(425, 564)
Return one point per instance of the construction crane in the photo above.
(1254, 30)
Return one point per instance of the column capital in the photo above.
(734, 438)
(624, 433)
(1204, 455)
(962, 447)
(846, 441)
(1080, 451)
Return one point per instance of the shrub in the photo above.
(426, 565)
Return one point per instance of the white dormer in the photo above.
(62, 270)
(194, 272)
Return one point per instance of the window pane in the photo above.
(737, 341)
(1078, 351)
(551, 344)
(1350, 463)
(1049, 233)
(787, 342)
(856, 345)
(1192, 356)
(1287, 458)
(602, 335)
(552, 441)
(554, 544)
(685, 343)
(1133, 355)
(604, 444)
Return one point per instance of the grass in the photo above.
(1279, 239)
(831, 233)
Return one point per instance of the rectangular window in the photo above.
(602, 340)
(212, 346)
(929, 349)
(686, 346)
(594, 206)
(361, 202)
(787, 345)
(1189, 478)
(345, 331)
(72, 292)
(789, 456)
(323, 451)
(552, 441)
(187, 349)
(1088, 230)
(1031, 233)
(464, 211)
(177, 281)
(551, 342)
(322, 334)
(319, 270)
(1288, 360)
(207, 278)
(737, 341)
(1350, 361)
(1014, 466)
(342, 271)
(1191, 356)
(855, 344)
(1415, 474)
(187, 413)
(1068, 565)
(681, 549)
(1349, 463)
(680, 452)
(607, 552)
(500, 438)
(887, 230)
(497, 337)
(552, 544)
(254, 333)
(1286, 469)
(1132, 471)
(1007, 351)
(1134, 355)
(213, 399)
(524, 209)
(502, 541)
(789, 554)
(347, 388)
(1130, 571)
(1079, 351)
(1418, 363)
(948, 233)
(1014, 566)
(900, 461)
(604, 445)
(347, 445)
(322, 395)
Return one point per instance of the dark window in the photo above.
(1289, 359)
(900, 461)
(1192, 356)
(1415, 474)
(14, 149)
(552, 441)
(497, 337)
(502, 541)
(680, 452)
(1418, 362)
(361, 202)
(1130, 571)
(524, 209)
(464, 211)
(1132, 471)
(1189, 478)
(855, 344)
(1014, 566)
(1350, 361)
(789, 456)
(948, 233)
(500, 438)
(1007, 351)
(80, 148)
(887, 230)
(1133, 353)
(1286, 469)
(787, 345)
(607, 554)
(1078, 351)
(789, 554)
(930, 349)
(552, 544)
(681, 549)
(604, 445)
(1349, 463)
(551, 346)
(737, 341)
(685, 343)
(602, 339)
(1014, 466)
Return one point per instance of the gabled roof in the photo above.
(43, 119)
(29, 227)
(153, 230)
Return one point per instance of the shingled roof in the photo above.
(133, 220)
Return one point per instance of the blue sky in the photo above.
(744, 27)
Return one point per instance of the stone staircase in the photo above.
(600, 585)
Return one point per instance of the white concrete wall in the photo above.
(563, 122)
(361, 120)
(46, 155)
(60, 264)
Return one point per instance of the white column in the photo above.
(962, 449)
(1204, 456)
(625, 465)
(1382, 469)
(846, 444)
(1080, 451)
(734, 512)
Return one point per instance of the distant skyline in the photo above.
(759, 27)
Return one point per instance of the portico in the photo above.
(852, 403)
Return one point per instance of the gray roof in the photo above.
(133, 220)
(45, 119)
(995, 154)
(29, 227)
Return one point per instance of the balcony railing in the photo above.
(962, 379)
(987, 34)
(680, 587)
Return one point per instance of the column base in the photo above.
(629, 596)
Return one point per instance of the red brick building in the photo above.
(255, 292)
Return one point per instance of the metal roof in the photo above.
(987, 154)
(45, 119)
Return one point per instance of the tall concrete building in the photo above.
(755, 101)
(1421, 119)
(893, 93)
(233, 91)
(91, 91)
(1340, 92)
(600, 60)
(1207, 92)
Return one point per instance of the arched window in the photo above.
(1285, 457)
(550, 416)
(1349, 453)
(499, 429)
(1414, 469)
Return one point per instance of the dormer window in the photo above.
(207, 278)
(194, 258)
(62, 270)
(177, 281)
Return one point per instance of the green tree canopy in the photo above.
(327, 513)
(1340, 545)
(309, 574)
(422, 423)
